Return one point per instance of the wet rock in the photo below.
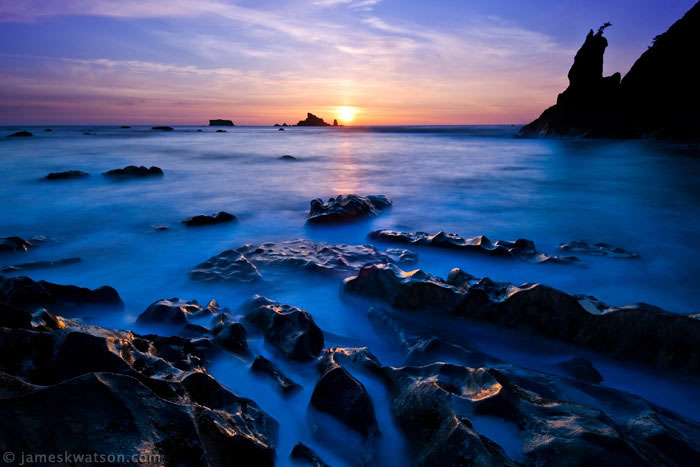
(40, 265)
(193, 331)
(13, 317)
(160, 228)
(14, 244)
(287, 157)
(312, 120)
(639, 332)
(303, 453)
(201, 219)
(280, 129)
(132, 171)
(242, 265)
(522, 249)
(343, 397)
(20, 134)
(411, 290)
(124, 127)
(67, 175)
(346, 207)
(290, 329)
(263, 366)
(48, 130)
(402, 256)
(229, 334)
(221, 131)
(221, 122)
(596, 249)
(227, 266)
(581, 368)
(117, 392)
(162, 128)
(27, 294)
(175, 311)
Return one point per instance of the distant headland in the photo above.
(658, 98)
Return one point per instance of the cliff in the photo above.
(658, 98)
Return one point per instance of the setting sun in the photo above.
(346, 114)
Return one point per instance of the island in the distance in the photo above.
(313, 120)
(658, 98)
(220, 122)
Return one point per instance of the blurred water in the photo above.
(642, 196)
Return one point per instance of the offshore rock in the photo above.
(639, 332)
(202, 219)
(220, 122)
(67, 175)
(312, 120)
(522, 249)
(597, 249)
(346, 207)
(132, 171)
(263, 366)
(176, 311)
(289, 329)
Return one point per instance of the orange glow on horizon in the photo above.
(346, 114)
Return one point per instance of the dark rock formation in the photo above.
(40, 265)
(221, 131)
(438, 407)
(657, 98)
(124, 127)
(242, 265)
(162, 128)
(639, 332)
(220, 122)
(14, 244)
(287, 157)
(201, 220)
(20, 134)
(312, 120)
(229, 334)
(175, 311)
(596, 249)
(290, 329)
(303, 453)
(343, 397)
(280, 129)
(72, 388)
(263, 366)
(132, 171)
(67, 175)
(227, 266)
(346, 207)
(522, 249)
(580, 368)
(26, 294)
(335, 122)
(48, 130)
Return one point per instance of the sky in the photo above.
(259, 62)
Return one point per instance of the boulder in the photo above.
(346, 207)
(200, 220)
(303, 453)
(312, 120)
(287, 157)
(289, 329)
(344, 398)
(521, 249)
(175, 311)
(242, 265)
(162, 128)
(67, 175)
(14, 244)
(597, 249)
(27, 294)
(221, 131)
(132, 171)
(20, 134)
(220, 122)
(73, 387)
(639, 332)
(229, 334)
(263, 366)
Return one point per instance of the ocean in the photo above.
(471, 180)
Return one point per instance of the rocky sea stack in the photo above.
(312, 120)
(220, 122)
(657, 98)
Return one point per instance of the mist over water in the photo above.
(641, 196)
